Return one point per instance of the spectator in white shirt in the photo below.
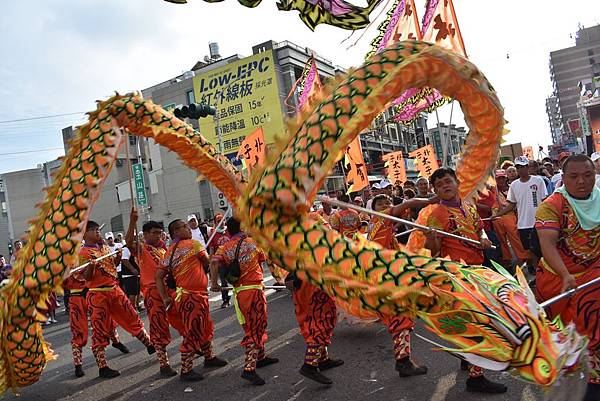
(596, 159)
(526, 194)
(557, 178)
(110, 242)
(196, 233)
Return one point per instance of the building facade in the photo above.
(455, 138)
(248, 92)
(570, 69)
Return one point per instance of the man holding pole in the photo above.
(568, 225)
(454, 216)
(248, 296)
(382, 231)
(106, 300)
(185, 262)
(150, 255)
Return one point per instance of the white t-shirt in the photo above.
(113, 248)
(528, 196)
(125, 256)
(197, 235)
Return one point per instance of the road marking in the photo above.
(295, 396)
(258, 397)
(443, 386)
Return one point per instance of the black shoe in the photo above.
(225, 304)
(151, 350)
(167, 371)
(191, 376)
(121, 347)
(253, 378)
(482, 385)
(330, 364)
(464, 365)
(79, 371)
(108, 373)
(313, 373)
(592, 393)
(266, 361)
(214, 362)
(406, 367)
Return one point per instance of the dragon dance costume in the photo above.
(107, 303)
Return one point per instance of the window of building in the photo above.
(190, 97)
(4, 208)
(132, 140)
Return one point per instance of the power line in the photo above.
(29, 151)
(41, 117)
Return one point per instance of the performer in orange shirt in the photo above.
(78, 321)
(346, 221)
(506, 225)
(457, 217)
(568, 224)
(152, 252)
(185, 261)
(382, 231)
(248, 296)
(106, 300)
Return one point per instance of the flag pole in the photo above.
(570, 292)
(83, 266)
(397, 220)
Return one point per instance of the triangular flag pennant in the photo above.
(440, 26)
(357, 173)
(400, 24)
(306, 86)
(253, 149)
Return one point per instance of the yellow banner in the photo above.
(246, 96)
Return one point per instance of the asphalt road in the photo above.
(368, 373)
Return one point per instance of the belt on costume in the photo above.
(180, 291)
(547, 267)
(78, 292)
(103, 288)
(236, 290)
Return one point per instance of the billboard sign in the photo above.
(594, 120)
(246, 96)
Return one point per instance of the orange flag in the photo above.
(528, 151)
(426, 161)
(395, 166)
(253, 149)
(440, 26)
(357, 172)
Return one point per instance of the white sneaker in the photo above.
(53, 320)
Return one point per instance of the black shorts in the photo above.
(530, 241)
(131, 285)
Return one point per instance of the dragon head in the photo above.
(495, 322)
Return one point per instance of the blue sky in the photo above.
(60, 56)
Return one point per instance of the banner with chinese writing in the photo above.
(246, 96)
(396, 170)
(253, 149)
(528, 151)
(440, 26)
(355, 164)
(426, 161)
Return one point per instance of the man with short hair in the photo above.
(455, 216)
(196, 232)
(381, 231)
(526, 195)
(186, 262)
(568, 223)
(113, 246)
(106, 301)
(5, 269)
(18, 245)
(248, 296)
(150, 255)
(557, 177)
